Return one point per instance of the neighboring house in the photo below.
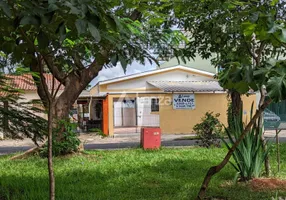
(173, 97)
(28, 90)
(28, 94)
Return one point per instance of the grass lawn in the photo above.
(127, 174)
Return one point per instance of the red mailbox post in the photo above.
(150, 138)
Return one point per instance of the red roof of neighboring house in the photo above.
(26, 82)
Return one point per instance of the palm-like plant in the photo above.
(249, 156)
(17, 119)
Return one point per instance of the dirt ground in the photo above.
(262, 184)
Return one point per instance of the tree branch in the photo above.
(54, 70)
(77, 62)
(135, 15)
(251, 53)
(259, 53)
(43, 79)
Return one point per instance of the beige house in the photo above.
(173, 98)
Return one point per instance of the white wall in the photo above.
(28, 96)
(145, 117)
(117, 113)
(177, 75)
(123, 116)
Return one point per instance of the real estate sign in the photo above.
(183, 101)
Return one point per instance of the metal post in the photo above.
(278, 149)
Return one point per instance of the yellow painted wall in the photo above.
(182, 121)
(94, 91)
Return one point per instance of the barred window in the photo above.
(155, 104)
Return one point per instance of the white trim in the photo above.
(162, 92)
(154, 72)
(200, 92)
(136, 92)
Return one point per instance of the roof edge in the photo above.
(137, 75)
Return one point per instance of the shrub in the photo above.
(69, 142)
(249, 156)
(209, 130)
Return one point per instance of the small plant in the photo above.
(209, 130)
(97, 131)
(249, 156)
(69, 142)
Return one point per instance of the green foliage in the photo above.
(22, 122)
(249, 156)
(68, 142)
(83, 31)
(18, 119)
(209, 130)
(97, 132)
(244, 39)
(128, 174)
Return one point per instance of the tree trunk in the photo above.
(215, 169)
(50, 150)
(261, 126)
(236, 102)
(60, 112)
(74, 83)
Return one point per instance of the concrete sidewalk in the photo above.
(272, 133)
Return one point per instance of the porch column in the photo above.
(90, 108)
(110, 115)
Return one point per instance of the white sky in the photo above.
(117, 71)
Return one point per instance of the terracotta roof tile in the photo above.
(26, 82)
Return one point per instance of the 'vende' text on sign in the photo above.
(183, 101)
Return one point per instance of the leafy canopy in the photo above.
(72, 34)
(245, 39)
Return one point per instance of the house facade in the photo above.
(174, 98)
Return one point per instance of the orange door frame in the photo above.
(105, 116)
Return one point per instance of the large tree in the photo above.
(223, 30)
(246, 40)
(74, 40)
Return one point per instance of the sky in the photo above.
(117, 71)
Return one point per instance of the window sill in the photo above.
(154, 112)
